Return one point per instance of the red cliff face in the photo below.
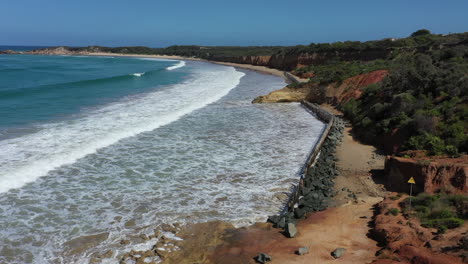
(431, 176)
(290, 62)
(338, 93)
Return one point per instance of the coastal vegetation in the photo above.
(338, 70)
(440, 211)
(424, 97)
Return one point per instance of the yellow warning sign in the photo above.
(412, 181)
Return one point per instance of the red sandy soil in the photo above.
(321, 232)
(408, 242)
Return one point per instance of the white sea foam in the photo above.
(154, 59)
(226, 161)
(138, 74)
(25, 159)
(178, 65)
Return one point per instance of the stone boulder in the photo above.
(338, 253)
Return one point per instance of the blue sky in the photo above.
(160, 23)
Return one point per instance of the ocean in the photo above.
(116, 146)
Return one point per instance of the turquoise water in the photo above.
(42, 88)
(89, 144)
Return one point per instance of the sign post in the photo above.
(411, 181)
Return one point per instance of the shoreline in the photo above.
(288, 77)
(261, 69)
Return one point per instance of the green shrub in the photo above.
(350, 108)
(441, 211)
(423, 199)
(422, 210)
(433, 144)
(450, 223)
(441, 214)
(393, 211)
(460, 202)
(442, 229)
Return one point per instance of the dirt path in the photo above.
(358, 165)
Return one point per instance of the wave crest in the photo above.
(178, 65)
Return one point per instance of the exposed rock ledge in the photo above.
(284, 95)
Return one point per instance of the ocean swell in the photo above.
(25, 159)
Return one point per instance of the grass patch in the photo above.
(393, 211)
(441, 211)
(396, 197)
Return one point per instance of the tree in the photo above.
(421, 32)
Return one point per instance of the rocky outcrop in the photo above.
(432, 174)
(284, 95)
(406, 241)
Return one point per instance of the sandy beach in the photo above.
(261, 69)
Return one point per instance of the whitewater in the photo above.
(117, 146)
(26, 158)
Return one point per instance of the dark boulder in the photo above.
(263, 258)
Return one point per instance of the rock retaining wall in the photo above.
(315, 186)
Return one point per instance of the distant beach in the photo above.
(261, 69)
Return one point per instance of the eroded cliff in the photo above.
(431, 174)
(290, 62)
(335, 93)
